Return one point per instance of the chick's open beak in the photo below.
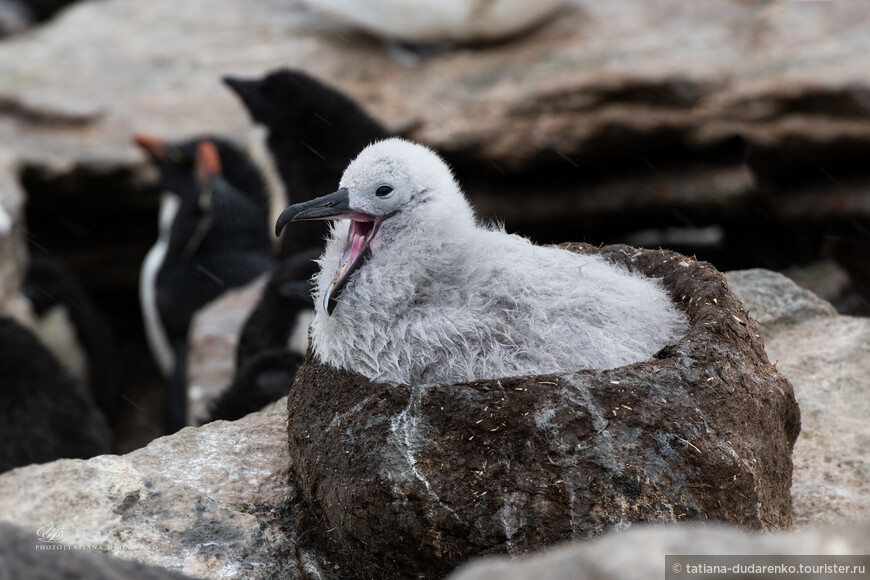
(334, 206)
(363, 228)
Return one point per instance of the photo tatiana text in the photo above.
(49, 540)
(86, 547)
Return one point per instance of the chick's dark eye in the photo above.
(383, 191)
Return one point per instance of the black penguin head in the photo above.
(280, 96)
(176, 161)
(218, 197)
(291, 100)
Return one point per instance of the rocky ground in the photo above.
(730, 130)
(215, 501)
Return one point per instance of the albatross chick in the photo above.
(413, 289)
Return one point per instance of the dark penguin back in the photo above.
(45, 413)
(265, 378)
(211, 249)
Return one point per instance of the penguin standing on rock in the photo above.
(273, 340)
(218, 239)
(176, 163)
(288, 292)
(265, 378)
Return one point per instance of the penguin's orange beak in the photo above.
(208, 161)
(153, 146)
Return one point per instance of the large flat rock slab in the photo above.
(828, 361)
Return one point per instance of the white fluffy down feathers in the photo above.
(443, 299)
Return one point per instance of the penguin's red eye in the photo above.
(383, 191)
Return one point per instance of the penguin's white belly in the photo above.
(154, 331)
(56, 331)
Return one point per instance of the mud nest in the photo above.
(414, 480)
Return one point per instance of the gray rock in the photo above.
(639, 552)
(609, 80)
(772, 299)
(827, 359)
(413, 480)
(830, 282)
(205, 502)
(475, 22)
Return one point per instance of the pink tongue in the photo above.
(356, 242)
